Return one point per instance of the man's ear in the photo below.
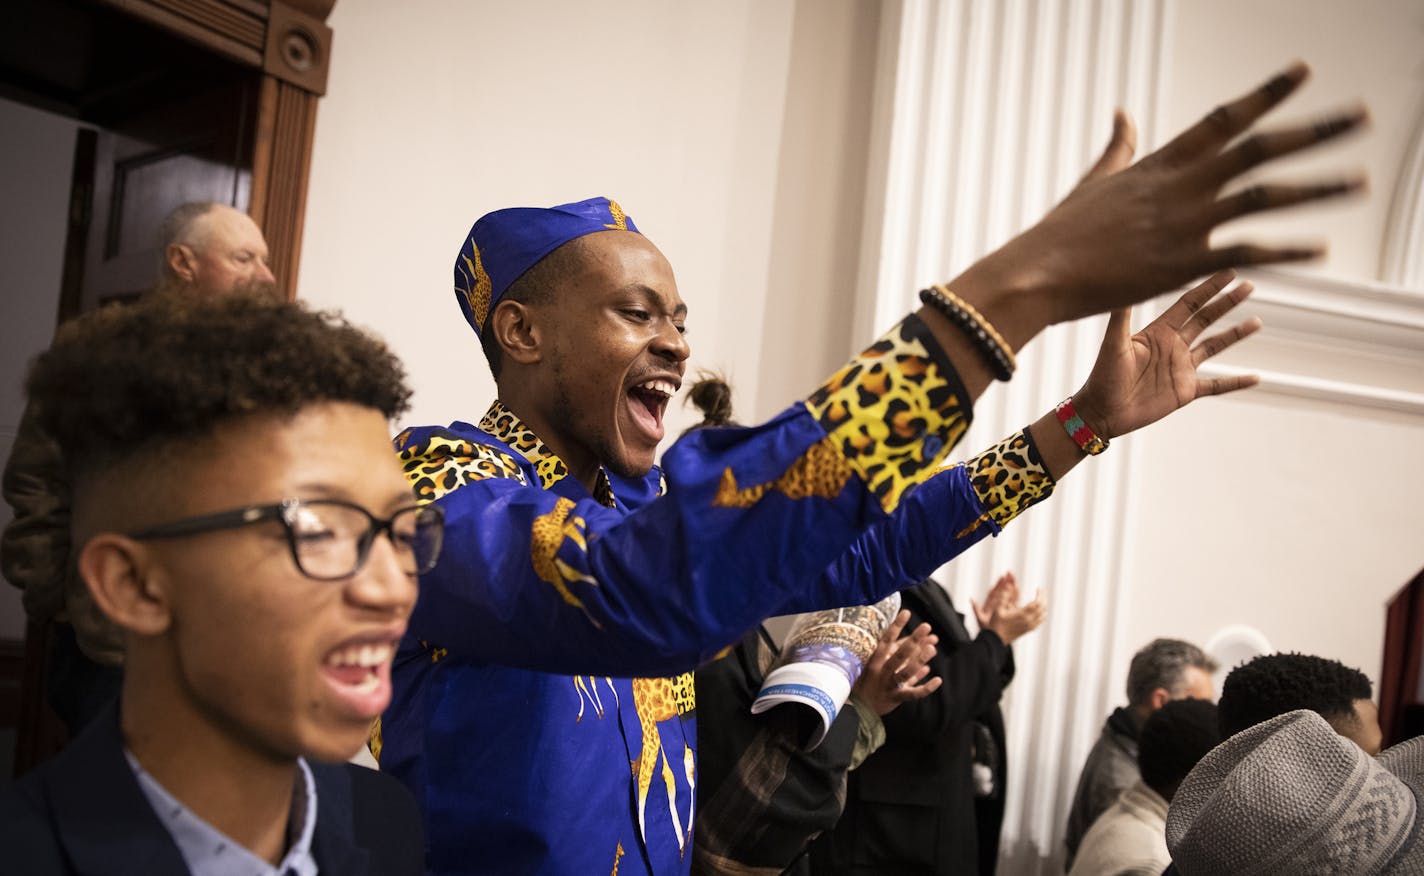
(182, 260)
(1160, 697)
(119, 574)
(517, 332)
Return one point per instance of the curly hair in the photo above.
(712, 395)
(1274, 684)
(1163, 663)
(1172, 740)
(167, 368)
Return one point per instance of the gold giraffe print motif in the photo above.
(477, 287)
(620, 219)
(656, 700)
(894, 411)
(549, 533)
(586, 686)
(618, 854)
(822, 471)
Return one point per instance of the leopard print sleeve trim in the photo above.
(895, 410)
(441, 463)
(1009, 478)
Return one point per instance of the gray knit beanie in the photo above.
(1290, 796)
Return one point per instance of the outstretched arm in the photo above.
(1126, 234)
(1137, 380)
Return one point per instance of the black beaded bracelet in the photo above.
(980, 331)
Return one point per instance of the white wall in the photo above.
(1361, 50)
(732, 133)
(36, 162)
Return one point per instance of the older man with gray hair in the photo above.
(1164, 670)
(212, 250)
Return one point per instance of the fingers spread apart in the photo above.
(1225, 122)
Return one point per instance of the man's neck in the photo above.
(583, 465)
(242, 792)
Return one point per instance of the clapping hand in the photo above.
(895, 672)
(1005, 614)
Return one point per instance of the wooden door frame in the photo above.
(289, 43)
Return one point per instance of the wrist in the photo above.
(1010, 294)
(1091, 412)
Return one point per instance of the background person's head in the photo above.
(1274, 684)
(213, 250)
(712, 396)
(1173, 739)
(177, 407)
(583, 330)
(1165, 670)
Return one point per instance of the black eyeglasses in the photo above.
(330, 539)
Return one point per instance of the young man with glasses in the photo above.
(240, 516)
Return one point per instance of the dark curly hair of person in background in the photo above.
(711, 395)
(1274, 684)
(170, 369)
(1173, 739)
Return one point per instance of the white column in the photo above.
(988, 111)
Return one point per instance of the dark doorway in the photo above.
(164, 122)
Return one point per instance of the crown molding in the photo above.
(1366, 315)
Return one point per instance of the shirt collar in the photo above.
(503, 424)
(209, 852)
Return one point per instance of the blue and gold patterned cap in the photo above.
(504, 244)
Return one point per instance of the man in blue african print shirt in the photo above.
(538, 713)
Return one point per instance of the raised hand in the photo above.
(1123, 236)
(1139, 379)
(1006, 589)
(1004, 613)
(895, 672)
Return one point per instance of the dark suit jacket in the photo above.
(83, 813)
(910, 808)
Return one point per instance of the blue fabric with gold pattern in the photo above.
(504, 244)
(524, 771)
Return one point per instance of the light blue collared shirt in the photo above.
(208, 852)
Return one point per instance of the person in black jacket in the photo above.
(931, 800)
(764, 794)
(239, 516)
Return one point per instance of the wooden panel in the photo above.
(39, 734)
(81, 211)
(286, 123)
(215, 16)
(236, 30)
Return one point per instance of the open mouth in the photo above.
(359, 672)
(649, 401)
